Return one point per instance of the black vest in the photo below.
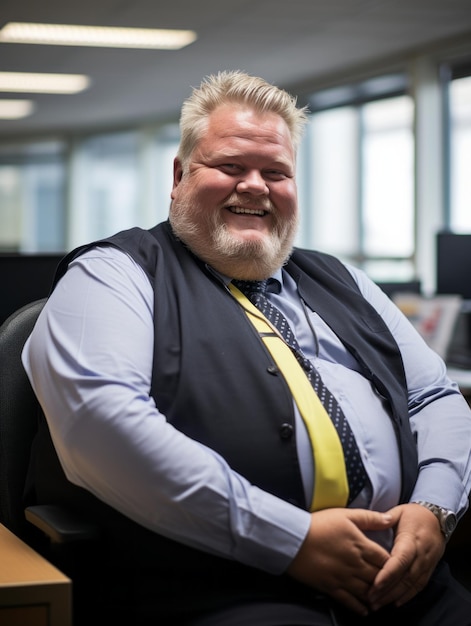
(207, 357)
(216, 382)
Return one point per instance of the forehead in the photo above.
(234, 126)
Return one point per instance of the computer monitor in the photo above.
(24, 278)
(454, 277)
(453, 269)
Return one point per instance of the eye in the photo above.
(230, 168)
(275, 175)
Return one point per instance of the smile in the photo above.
(242, 211)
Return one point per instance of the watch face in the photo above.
(450, 522)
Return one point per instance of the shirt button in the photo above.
(286, 431)
(272, 369)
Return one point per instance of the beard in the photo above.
(209, 238)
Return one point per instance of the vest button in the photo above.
(272, 369)
(286, 431)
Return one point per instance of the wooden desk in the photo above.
(32, 591)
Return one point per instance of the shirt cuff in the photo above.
(440, 485)
(273, 537)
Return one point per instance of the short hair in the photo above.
(235, 87)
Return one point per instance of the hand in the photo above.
(418, 546)
(337, 558)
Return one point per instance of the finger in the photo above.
(391, 583)
(408, 587)
(366, 572)
(397, 565)
(398, 595)
(371, 520)
(413, 585)
(351, 601)
(374, 555)
(410, 593)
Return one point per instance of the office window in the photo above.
(332, 184)
(360, 184)
(387, 183)
(104, 187)
(460, 154)
(32, 197)
(119, 181)
(164, 149)
(10, 208)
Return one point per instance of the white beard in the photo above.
(210, 239)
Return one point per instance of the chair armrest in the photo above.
(60, 525)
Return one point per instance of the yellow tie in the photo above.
(330, 481)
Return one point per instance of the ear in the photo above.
(177, 174)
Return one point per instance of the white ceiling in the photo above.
(289, 42)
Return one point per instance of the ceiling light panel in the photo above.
(15, 109)
(101, 36)
(26, 82)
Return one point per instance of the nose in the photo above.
(252, 182)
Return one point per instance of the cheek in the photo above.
(209, 183)
(214, 190)
(286, 198)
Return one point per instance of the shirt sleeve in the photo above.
(89, 360)
(439, 415)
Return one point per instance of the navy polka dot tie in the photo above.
(356, 475)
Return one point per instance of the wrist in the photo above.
(446, 518)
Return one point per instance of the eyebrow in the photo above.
(229, 154)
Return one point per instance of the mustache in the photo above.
(264, 204)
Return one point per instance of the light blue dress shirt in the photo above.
(89, 360)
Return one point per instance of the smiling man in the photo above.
(234, 198)
(263, 437)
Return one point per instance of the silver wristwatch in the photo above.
(446, 519)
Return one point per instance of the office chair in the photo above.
(53, 531)
(18, 415)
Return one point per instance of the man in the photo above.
(180, 429)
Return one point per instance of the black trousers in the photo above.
(444, 602)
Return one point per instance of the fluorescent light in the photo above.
(43, 83)
(15, 109)
(101, 36)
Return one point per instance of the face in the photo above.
(235, 203)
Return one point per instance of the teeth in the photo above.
(236, 209)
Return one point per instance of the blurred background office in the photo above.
(384, 168)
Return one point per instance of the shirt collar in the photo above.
(275, 282)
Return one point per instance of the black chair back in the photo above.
(18, 415)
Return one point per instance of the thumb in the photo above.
(371, 520)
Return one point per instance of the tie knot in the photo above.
(251, 286)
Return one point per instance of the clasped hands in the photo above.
(338, 559)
